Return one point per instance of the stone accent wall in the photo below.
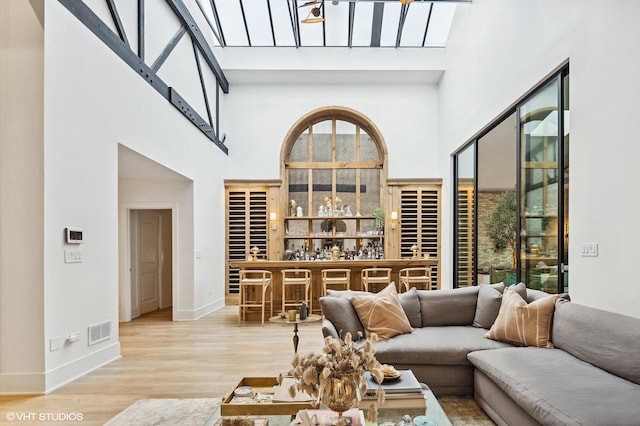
(487, 255)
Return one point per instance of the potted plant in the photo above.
(500, 226)
(379, 219)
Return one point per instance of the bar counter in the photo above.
(316, 266)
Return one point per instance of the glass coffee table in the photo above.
(424, 409)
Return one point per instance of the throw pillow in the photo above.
(519, 288)
(341, 313)
(523, 324)
(382, 313)
(488, 306)
(411, 306)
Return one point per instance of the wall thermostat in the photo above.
(73, 235)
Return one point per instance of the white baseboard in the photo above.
(70, 371)
(42, 383)
(198, 313)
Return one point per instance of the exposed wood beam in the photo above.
(168, 49)
(180, 9)
(117, 21)
(85, 15)
(376, 24)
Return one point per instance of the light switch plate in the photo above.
(590, 250)
(73, 256)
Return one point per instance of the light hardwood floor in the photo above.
(204, 358)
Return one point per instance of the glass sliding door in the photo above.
(541, 190)
(496, 241)
(511, 200)
(464, 206)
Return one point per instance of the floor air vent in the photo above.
(99, 332)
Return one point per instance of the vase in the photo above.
(339, 396)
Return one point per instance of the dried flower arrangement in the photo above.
(339, 358)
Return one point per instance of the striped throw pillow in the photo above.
(382, 313)
(524, 324)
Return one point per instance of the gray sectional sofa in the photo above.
(591, 377)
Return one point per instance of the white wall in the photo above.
(21, 198)
(500, 49)
(60, 168)
(257, 118)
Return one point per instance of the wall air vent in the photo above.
(99, 332)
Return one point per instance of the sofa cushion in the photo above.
(556, 388)
(489, 301)
(409, 301)
(523, 324)
(607, 340)
(341, 313)
(448, 345)
(448, 307)
(488, 305)
(381, 313)
(411, 306)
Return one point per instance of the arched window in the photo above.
(335, 157)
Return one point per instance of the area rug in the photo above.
(157, 412)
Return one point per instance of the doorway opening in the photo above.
(151, 272)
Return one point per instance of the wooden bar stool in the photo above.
(296, 277)
(409, 277)
(259, 281)
(375, 276)
(336, 277)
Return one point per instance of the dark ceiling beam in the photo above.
(180, 9)
(206, 17)
(141, 29)
(85, 15)
(291, 6)
(352, 15)
(244, 19)
(403, 17)
(202, 84)
(296, 23)
(396, 1)
(273, 31)
(324, 27)
(426, 27)
(168, 49)
(376, 24)
(216, 18)
(117, 21)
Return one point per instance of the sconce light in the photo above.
(394, 219)
(273, 217)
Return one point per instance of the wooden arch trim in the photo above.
(334, 113)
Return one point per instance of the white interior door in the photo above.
(148, 260)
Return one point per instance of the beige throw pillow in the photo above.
(521, 324)
(382, 313)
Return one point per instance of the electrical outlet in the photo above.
(590, 250)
